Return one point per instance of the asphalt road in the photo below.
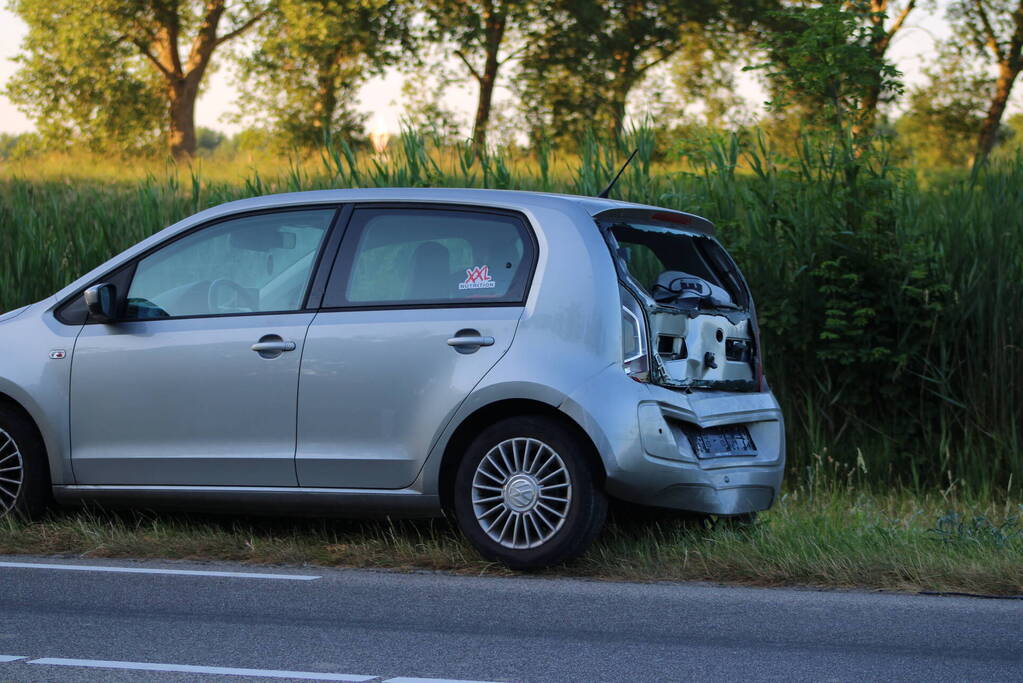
(58, 624)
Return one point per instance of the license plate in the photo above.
(721, 442)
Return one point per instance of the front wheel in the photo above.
(526, 494)
(23, 480)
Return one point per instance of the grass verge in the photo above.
(844, 540)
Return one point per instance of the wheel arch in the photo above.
(479, 419)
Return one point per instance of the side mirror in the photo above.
(101, 301)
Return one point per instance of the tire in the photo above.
(510, 493)
(24, 474)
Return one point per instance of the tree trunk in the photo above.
(988, 135)
(181, 138)
(494, 26)
(487, 81)
(867, 114)
(326, 99)
(183, 78)
(618, 101)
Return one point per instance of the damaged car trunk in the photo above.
(687, 314)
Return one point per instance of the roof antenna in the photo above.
(607, 190)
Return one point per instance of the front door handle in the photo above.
(271, 346)
(469, 341)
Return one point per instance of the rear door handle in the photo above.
(273, 347)
(469, 341)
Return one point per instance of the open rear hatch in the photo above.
(681, 285)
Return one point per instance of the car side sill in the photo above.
(401, 503)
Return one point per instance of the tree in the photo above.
(825, 58)
(426, 102)
(994, 28)
(704, 71)
(879, 39)
(105, 69)
(945, 113)
(586, 57)
(480, 31)
(311, 57)
(600, 50)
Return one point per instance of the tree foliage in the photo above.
(78, 78)
(310, 59)
(122, 73)
(945, 113)
(480, 32)
(824, 58)
(587, 55)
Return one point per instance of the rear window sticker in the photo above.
(477, 277)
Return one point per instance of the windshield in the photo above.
(678, 268)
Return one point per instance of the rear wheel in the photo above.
(526, 494)
(23, 480)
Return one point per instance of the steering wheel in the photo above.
(227, 296)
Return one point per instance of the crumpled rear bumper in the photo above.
(638, 430)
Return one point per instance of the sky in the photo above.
(911, 51)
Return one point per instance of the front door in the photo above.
(197, 382)
(422, 302)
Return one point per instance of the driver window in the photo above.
(255, 264)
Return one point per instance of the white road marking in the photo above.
(220, 670)
(211, 670)
(171, 572)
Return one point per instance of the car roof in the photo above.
(510, 199)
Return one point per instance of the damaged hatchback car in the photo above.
(510, 359)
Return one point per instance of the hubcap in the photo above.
(521, 493)
(12, 472)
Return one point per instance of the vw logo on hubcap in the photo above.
(520, 493)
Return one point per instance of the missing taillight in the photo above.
(672, 347)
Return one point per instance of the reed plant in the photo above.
(892, 311)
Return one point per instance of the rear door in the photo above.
(421, 303)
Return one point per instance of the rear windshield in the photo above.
(677, 268)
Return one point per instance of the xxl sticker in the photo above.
(477, 277)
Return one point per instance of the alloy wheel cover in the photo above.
(521, 493)
(12, 472)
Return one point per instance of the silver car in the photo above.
(511, 359)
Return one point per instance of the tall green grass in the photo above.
(843, 538)
(892, 311)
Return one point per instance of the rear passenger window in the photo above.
(403, 257)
